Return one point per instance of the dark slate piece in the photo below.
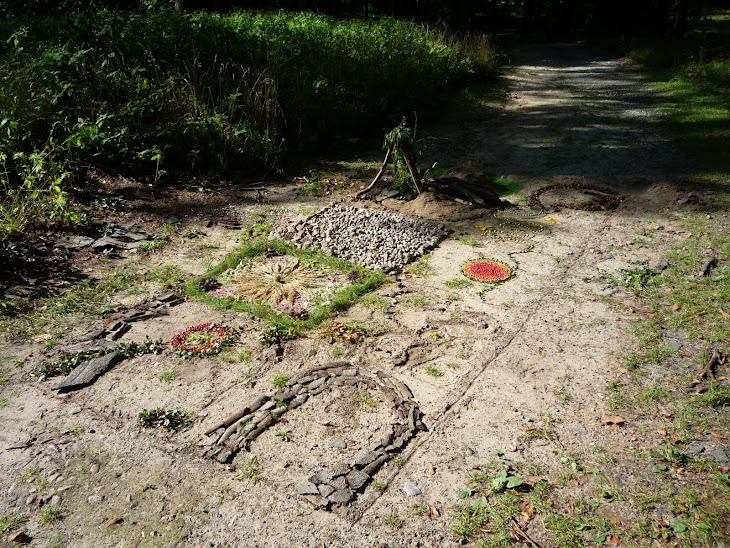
(88, 372)
(341, 496)
(357, 479)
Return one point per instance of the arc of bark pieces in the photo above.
(337, 485)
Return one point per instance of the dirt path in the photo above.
(488, 368)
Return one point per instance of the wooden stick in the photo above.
(412, 170)
(233, 417)
(380, 173)
(707, 372)
(521, 535)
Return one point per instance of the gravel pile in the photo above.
(369, 238)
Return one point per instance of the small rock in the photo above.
(337, 443)
(340, 496)
(338, 483)
(578, 429)
(325, 476)
(74, 410)
(55, 500)
(357, 479)
(365, 456)
(318, 501)
(411, 489)
(307, 488)
(95, 468)
(95, 499)
(326, 490)
(719, 456)
(695, 449)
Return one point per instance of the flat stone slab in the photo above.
(307, 488)
(357, 479)
(341, 496)
(74, 243)
(88, 372)
(365, 456)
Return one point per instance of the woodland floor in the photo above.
(525, 368)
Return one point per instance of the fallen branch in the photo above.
(380, 173)
(234, 417)
(715, 359)
(520, 535)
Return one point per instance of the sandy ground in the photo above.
(536, 348)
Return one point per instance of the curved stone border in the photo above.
(610, 199)
(336, 485)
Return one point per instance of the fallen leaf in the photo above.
(592, 298)
(613, 419)
(113, 521)
(19, 537)
(434, 511)
(680, 469)
(655, 413)
(718, 436)
(528, 511)
(675, 307)
(616, 522)
(614, 539)
(661, 522)
(551, 220)
(723, 312)
(724, 469)
(721, 378)
(700, 336)
(43, 337)
(661, 432)
(674, 439)
(431, 469)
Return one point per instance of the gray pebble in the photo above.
(411, 489)
(337, 443)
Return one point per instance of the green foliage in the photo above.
(9, 522)
(169, 419)
(68, 361)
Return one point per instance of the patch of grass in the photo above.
(392, 519)
(90, 298)
(375, 301)
(421, 268)
(366, 399)
(168, 375)
(10, 522)
(458, 283)
(415, 302)
(49, 514)
(280, 380)
(468, 239)
(336, 352)
(503, 186)
(433, 371)
(245, 355)
(250, 470)
(282, 326)
(148, 248)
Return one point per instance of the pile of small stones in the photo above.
(338, 484)
(374, 239)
